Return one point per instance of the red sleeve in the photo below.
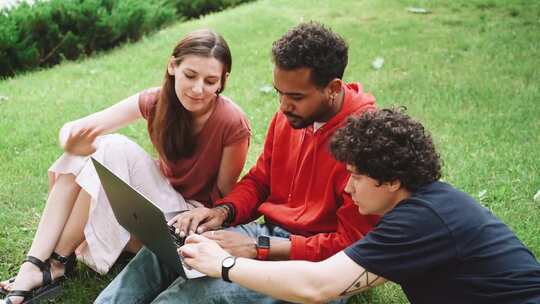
(352, 226)
(254, 187)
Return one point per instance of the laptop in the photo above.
(144, 220)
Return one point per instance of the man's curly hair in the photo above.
(312, 45)
(388, 145)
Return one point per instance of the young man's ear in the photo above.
(171, 66)
(394, 186)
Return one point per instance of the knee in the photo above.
(111, 142)
(116, 147)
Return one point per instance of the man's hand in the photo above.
(198, 220)
(203, 254)
(81, 142)
(237, 244)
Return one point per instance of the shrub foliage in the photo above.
(48, 32)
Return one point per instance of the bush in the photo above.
(196, 8)
(46, 33)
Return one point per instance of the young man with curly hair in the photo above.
(437, 242)
(295, 185)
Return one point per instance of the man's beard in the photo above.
(298, 122)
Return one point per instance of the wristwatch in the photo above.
(226, 265)
(229, 209)
(263, 247)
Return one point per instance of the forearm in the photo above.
(107, 120)
(298, 281)
(302, 281)
(280, 249)
(295, 281)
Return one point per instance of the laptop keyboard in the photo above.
(178, 241)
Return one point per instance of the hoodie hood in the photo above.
(354, 101)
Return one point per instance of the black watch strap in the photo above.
(230, 214)
(226, 265)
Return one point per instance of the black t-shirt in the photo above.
(441, 246)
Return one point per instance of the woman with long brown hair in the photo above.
(201, 139)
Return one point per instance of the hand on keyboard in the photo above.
(178, 241)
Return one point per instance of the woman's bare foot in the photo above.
(4, 285)
(30, 277)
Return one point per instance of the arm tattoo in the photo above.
(364, 281)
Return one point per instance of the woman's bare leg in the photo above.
(51, 226)
(55, 216)
(73, 234)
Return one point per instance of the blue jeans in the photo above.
(146, 280)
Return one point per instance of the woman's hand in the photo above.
(203, 254)
(81, 142)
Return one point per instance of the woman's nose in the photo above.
(197, 87)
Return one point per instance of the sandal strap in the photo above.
(67, 261)
(45, 268)
(18, 293)
(39, 263)
(61, 258)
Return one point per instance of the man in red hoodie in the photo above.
(296, 185)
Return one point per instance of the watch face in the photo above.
(263, 241)
(228, 262)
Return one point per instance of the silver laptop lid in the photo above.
(140, 217)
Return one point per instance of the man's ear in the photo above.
(334, 86)
(171, 66)
(394, 186)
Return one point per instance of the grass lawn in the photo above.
(469, 70)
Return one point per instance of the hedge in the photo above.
(196, 8)
(46, 33)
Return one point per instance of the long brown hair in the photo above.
(171, 130)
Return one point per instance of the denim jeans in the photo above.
(147, 280)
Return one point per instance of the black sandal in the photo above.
(69, 263)
(4, 291)
(50, 288)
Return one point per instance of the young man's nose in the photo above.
(348, 187)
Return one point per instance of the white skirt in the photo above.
(105, 238)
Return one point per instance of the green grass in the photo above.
(469, 71)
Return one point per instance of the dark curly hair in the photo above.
(388, 145)
(312, 45)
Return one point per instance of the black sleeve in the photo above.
(408, 241)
